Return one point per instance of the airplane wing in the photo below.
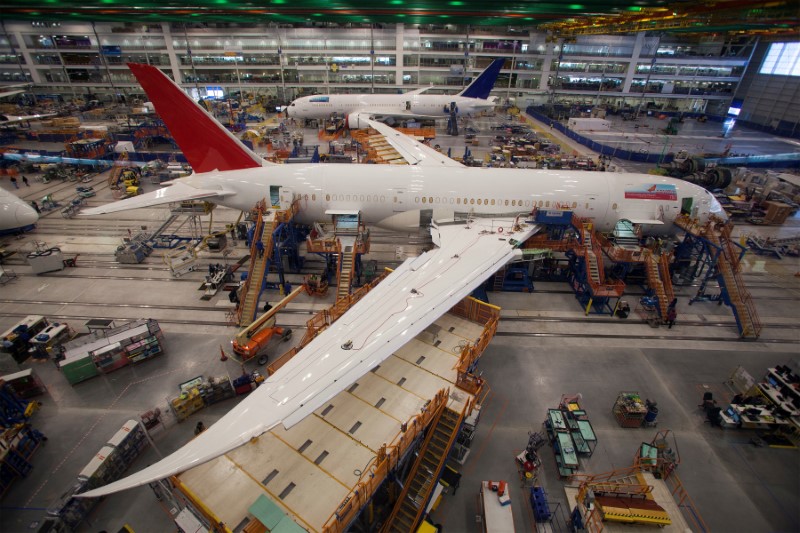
(177, 192)
(416, 294)
(414, 152)
(5, 120)
(6, 94)
(417, 91)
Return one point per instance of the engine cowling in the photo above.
(357, 121)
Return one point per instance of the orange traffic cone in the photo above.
(222, 356)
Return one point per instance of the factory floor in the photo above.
(554, 350)
(735, 485)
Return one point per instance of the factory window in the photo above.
(270, 477)
(289, 488)
(321, 457)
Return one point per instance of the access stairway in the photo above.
(730, 280)
(425, 472)
(714, 251)
(346, 264)
(258, 267)
(659, 281)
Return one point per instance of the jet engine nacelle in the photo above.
(357, 121)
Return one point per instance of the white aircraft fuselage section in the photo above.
(396, 197)
(15, 212)
(419, 105)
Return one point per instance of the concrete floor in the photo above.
(529, 366)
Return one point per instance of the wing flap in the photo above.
(400, 307)
(414, 152)
(177, 192)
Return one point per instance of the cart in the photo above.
(71, 262)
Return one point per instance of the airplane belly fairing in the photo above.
(421, 290)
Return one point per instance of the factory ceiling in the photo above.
(562, 18)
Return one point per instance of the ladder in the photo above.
(424, 475)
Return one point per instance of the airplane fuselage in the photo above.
(402, 198)
(384, 105)
(15, 213)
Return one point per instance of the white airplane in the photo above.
(15, 213)
(478, 218)
(7, 120)
(358, 109)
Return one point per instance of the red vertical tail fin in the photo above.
(206, 144)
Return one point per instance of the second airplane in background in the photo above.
(358, 109)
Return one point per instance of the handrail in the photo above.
(378, 468)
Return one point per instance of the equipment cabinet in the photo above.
(110, 350)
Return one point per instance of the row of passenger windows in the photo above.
(442, 200)
(489, 201)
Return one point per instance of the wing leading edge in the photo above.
(421, 290)
(178, 191)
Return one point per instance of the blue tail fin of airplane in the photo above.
(484, 83)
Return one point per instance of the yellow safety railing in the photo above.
(379, 467)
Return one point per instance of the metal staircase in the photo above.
(347, 261)
(656, 284)
(258, 266)
(425, 472)
(730, 280)
(592, 259)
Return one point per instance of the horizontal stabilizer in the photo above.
(177, 192)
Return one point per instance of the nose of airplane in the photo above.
(25, 215)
